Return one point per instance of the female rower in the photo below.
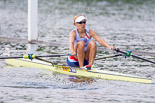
(81, 45)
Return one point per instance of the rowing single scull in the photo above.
(75, 71)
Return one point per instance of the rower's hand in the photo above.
(113, 48)
(73, 53)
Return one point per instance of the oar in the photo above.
(32, 56)
(108, 56)
(130, 54)
(69, 54)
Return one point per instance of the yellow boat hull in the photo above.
(95, 73)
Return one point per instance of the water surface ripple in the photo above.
(128, 24)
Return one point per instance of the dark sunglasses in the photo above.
(82, 22)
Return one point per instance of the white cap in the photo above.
(80, 18)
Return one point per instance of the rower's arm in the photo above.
(72, 36)
(99, 39)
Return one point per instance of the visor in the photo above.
(80, 18)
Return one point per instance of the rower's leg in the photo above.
(91, 52)
(79, 48)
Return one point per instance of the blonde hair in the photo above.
(74, 18)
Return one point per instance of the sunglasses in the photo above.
(82, 22)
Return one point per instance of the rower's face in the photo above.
(81, 24)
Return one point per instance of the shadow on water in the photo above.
(42, 79)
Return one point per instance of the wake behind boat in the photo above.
(75, 71)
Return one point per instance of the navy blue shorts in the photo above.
(72, 61)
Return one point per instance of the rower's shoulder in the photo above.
(72, 33)
(92, 32)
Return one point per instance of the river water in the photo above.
(127, 24)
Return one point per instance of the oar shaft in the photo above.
(55, 55)
(135, 56)
(109, 56)
(11, 57)
(31, 56)
(143, 59)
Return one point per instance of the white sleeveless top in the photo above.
(86, 39)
